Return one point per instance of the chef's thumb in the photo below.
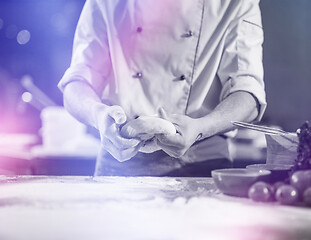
(162, 113)
(118, 115)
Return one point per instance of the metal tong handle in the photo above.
(264, 129)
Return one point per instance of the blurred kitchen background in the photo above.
(35, 49)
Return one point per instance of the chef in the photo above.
(196, 64)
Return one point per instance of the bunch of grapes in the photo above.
(298, 187)
(303, 160)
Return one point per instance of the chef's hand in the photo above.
(108, 122)
(187, 133)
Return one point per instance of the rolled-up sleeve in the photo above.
(241, 67)
(90, 57)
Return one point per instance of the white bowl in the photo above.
(237, 181)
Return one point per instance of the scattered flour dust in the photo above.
(133, 208)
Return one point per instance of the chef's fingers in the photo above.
(171, 151)
(124, 142)
(168, 147)
(120, 154)
(174, 118)
(162, 113)
(175, 140)
(114, 135)
(118, 114)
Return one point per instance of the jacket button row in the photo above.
(140, 75)
(185, 35)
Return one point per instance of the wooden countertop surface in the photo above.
(75, 207)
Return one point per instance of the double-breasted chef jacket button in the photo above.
(138, 75)
(188, 34)
(182, 77)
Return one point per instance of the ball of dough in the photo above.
(145, 128)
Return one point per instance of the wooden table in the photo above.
(43, 208)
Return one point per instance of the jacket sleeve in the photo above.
(241, 67)
(90, 57)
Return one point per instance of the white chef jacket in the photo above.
(183, 55)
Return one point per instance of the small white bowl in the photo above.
(237, 181)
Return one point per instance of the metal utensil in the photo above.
(264, 129)
(290, 136)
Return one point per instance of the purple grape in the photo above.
(301, 180)
(261, 192)
(276, 185)
(286, 194)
